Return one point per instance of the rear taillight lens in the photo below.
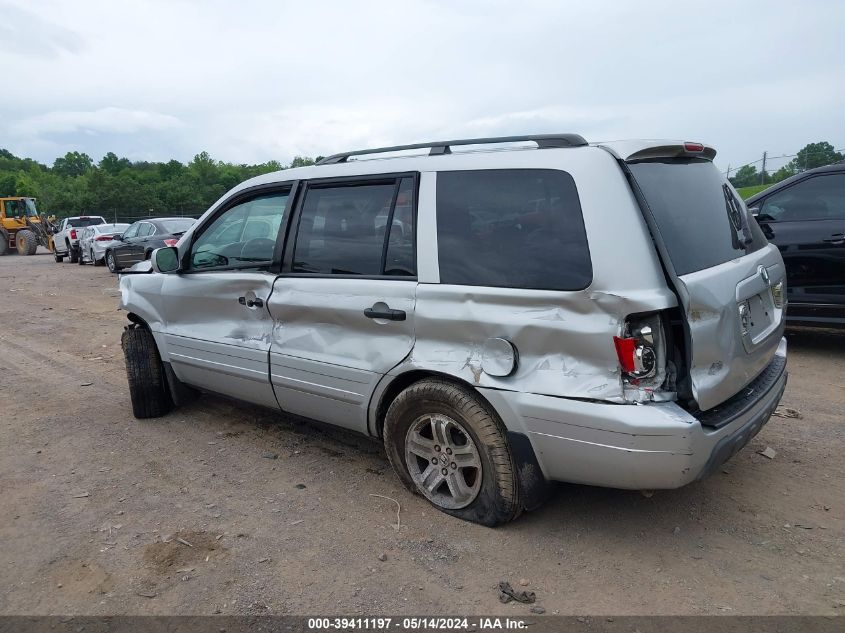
(641, 351)
(637, 355)
(103, 238)
(693, 147)
(171, 242)
(73, 234)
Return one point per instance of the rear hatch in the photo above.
(729, 279)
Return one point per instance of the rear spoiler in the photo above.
(633, 151)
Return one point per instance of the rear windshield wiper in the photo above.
(734, 209)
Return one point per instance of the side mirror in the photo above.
(165, 260)
(118, 237)
(755, 211)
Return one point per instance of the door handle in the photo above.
(251, 303)
(384, 313)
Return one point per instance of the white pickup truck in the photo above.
(66, 239)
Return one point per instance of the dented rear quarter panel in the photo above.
(564, 339)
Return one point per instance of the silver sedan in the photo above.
(95, 240)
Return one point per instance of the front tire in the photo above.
(26, 242)
(74, 254)
(145, 372)
(447, 445)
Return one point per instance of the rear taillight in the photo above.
(693, 147)
(103, 238)
(636, 353)
(73, 234)
(171, 242)
(641, 350)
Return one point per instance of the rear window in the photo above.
(78, 223)
(177, 226)
(511, 228)
(701, 221)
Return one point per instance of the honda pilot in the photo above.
(501, 313)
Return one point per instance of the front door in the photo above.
(218, 325)
(344, 304)
(123, 252)
(807, 223)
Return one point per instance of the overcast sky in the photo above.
(250, 81)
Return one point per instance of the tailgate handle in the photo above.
(384, 313)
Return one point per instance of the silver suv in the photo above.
(501, 312)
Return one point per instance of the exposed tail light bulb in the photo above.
(636, 353)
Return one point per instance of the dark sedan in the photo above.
(139, 241)
(805, 217)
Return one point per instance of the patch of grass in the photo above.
(747, 192)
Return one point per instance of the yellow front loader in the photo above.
(21, 228)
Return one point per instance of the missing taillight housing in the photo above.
(641, 351)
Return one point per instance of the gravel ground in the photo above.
(222, 507)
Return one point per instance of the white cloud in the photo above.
(265, 79)
(107, 120)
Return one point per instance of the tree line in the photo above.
(812, 155)
(119, 187)
(76, 185)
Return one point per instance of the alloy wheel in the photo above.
(443, 461)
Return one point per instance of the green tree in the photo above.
(73, 164)
(746, 176)
(113, 165)
(815, 155)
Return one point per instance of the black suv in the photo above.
(805, 217)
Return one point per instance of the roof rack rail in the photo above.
(544, 141)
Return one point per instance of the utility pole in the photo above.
(763, 171)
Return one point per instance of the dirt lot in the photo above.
(281, 518)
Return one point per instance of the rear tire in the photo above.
(145, 372)
(473, 431)
(4, 244)
(97, 262)
(73, 253)
(81, 261)
(110, 262)
(59, 258)
(26, 242)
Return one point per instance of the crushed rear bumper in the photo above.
(651, 446)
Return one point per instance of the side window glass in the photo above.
(132, 231)
(401, 246)
(818, 198)
(511, 228)
(361, 229)
(243, 236)
(145, 229)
